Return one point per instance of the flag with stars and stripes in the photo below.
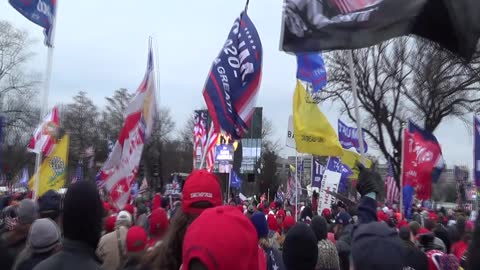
(393, 193)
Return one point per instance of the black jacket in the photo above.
(74, 256)
(414, 258)
(32, 261)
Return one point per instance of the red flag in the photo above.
(43, 139)
(120, 170)
(422, 156)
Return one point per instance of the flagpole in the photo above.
(296, 186)
(204, 154)
(401, 170)
(43, 109)
(353, 81)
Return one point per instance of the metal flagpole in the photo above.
(296, 186)
(353, 81)
(401, 170)
(229, 180)
(204, 154)
(44, 105)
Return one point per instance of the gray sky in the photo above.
(102, 46)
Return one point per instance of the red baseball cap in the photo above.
(130, 209)
(136, 239)
(158, 222)
(221, 238)
(200, 186)
(110, 223)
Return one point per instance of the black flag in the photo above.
(316, 25)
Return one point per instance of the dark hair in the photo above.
(319, 227)
(168, 255)
(429, 224)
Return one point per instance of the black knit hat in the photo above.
(83, 212)
(300, 250)
(319, 227)
(375, 246)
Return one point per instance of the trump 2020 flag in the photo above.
(43, 140)
(476, 145)
(312, 26)
(232, 85)
(422, 160)
(40, 12)
(348, 137)
(120, 170)
(311, 69)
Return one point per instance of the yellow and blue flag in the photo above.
(53, 169)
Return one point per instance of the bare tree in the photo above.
(113, 115)
(398, 80)
(18, 86)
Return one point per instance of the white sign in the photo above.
(290, 136)
(330, 182)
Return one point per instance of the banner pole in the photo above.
(204, 154)
(296, 186)
(401, 171)
(43, 111)
(353, 81)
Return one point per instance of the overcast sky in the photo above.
(101, 46)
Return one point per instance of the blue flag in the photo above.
(476, 145)
(235, 181)
(234, 79)
(348, 137)
(40, 12)
(311, 68)
(317, 172)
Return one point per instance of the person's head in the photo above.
(272, 222)
(260, 224)
(405, 234)
(414, 227)
(300, 250)
(200, 191)
(375, 246)
(124, 219)
(319, 227)
(136, 241)
(49, 205)
(341, 220)
(327, 214)
(430, 224)
(230, 244)
(83, 213)
(288, 223)
(110, 223)
(158, 222)
(130, 209)
(44, 237)
(27, 212)
(280, 216)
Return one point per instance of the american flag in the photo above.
(143, 186)
(43, 139)
(210, 158)
(393, 194)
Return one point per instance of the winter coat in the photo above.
(75, 255)
(32, 260)
(414, 258)
(343, 245)
(16, 240)
(108, 249)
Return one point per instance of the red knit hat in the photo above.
(136, 239)
(237, 250)
(130, 209)
(288, 223)
(110, 223)
(156, 202)
(200, 186)
(158, 222)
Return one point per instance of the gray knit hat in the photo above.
(44, 235)
(27, 211)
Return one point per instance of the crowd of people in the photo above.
(201, 232)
